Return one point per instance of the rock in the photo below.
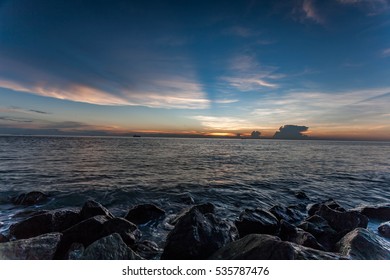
(42, 247)
(52, 221)
(291, 214)
(321, 230)
(75, 251)
(267, 247)
(257, 221)
(92, 208)
(110, 247)
(144, 213)
(384, 229)
(202, 208)
(290, 233)
(301, 195)
(85, 232)
(343, 222)
(147, 249)
(3, 238)
(197, 236)
(380, 212)
(29, 198)
(362, 244)
(330, 203)
(127, 230)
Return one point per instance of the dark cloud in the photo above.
(255, 134)
(13, 119)
(289, 131)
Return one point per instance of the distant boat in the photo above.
(136, 135)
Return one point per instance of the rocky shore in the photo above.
(306, 231)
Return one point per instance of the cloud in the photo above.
(242, 32)
(311, 12)
(224, 123)
(372, 7)
(15, 109)
(13, 119)
(226, 101)
(289, 131)
(386, 52)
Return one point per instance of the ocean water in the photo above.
(231, 173)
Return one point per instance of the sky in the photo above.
(218, 68)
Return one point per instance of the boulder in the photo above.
(380, 212)
(343, 222)
(197, 236)
(290, 233)
(202, 208)
(41, 247)
(330, 203)
(92, 208)
(110, 247)
(127, 230)
(144, 213)
(384, 229)
(267, 247)
(291, 214)
(3, 238)
(301, 195)
(52, 221)
(362, 244)
(30, 198)
(321, 230)
(147, 249)
(75, 251)
(257, 221)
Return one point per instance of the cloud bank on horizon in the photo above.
(199, 67)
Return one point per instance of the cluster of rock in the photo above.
(323, 231)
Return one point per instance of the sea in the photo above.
(174, 173)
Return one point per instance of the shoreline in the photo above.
(323, 230)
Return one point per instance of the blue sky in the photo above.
(196, 67)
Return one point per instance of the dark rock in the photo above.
(288, 232)
(380, 212)
(127, 230)
(53, 221)
(187, 198)
(257, 221)
(343, 222)
(301, 195)
(384, 229)
(110, 247)
(85, 232)
(291, 214)
(321, 230)
(75, 251)
(144, 213)
(267, 247)
(92, 208)
(197, 236)
(362, 244)
(147, 249)
(3, 238)
(29, 198)
(330, 203)
(202, 208)
(42, 247)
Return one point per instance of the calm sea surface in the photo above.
(233, 174)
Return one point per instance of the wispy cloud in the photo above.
(15, 109)
(224, 123)
(386, 52)
(311, 12)
(373, 7)
(14, 119)
(225, 101)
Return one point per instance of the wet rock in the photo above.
(92, 208)
(343, 222)
(257, 221)
(290, 233)
(110, 247)
(267, 247)
(380, 212)
(127, 230)
(144, 213)
(42, 247)
(52, 221)
(362, 244)
(3, 238)
(75, 251)
(384, 229)
(197, 236)
(330, 203)
(147, 249)
(291, 214)
(29, 198)
(321, 230)
(301, 195)
(202, 208)
(187, 198)
(85, 232)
